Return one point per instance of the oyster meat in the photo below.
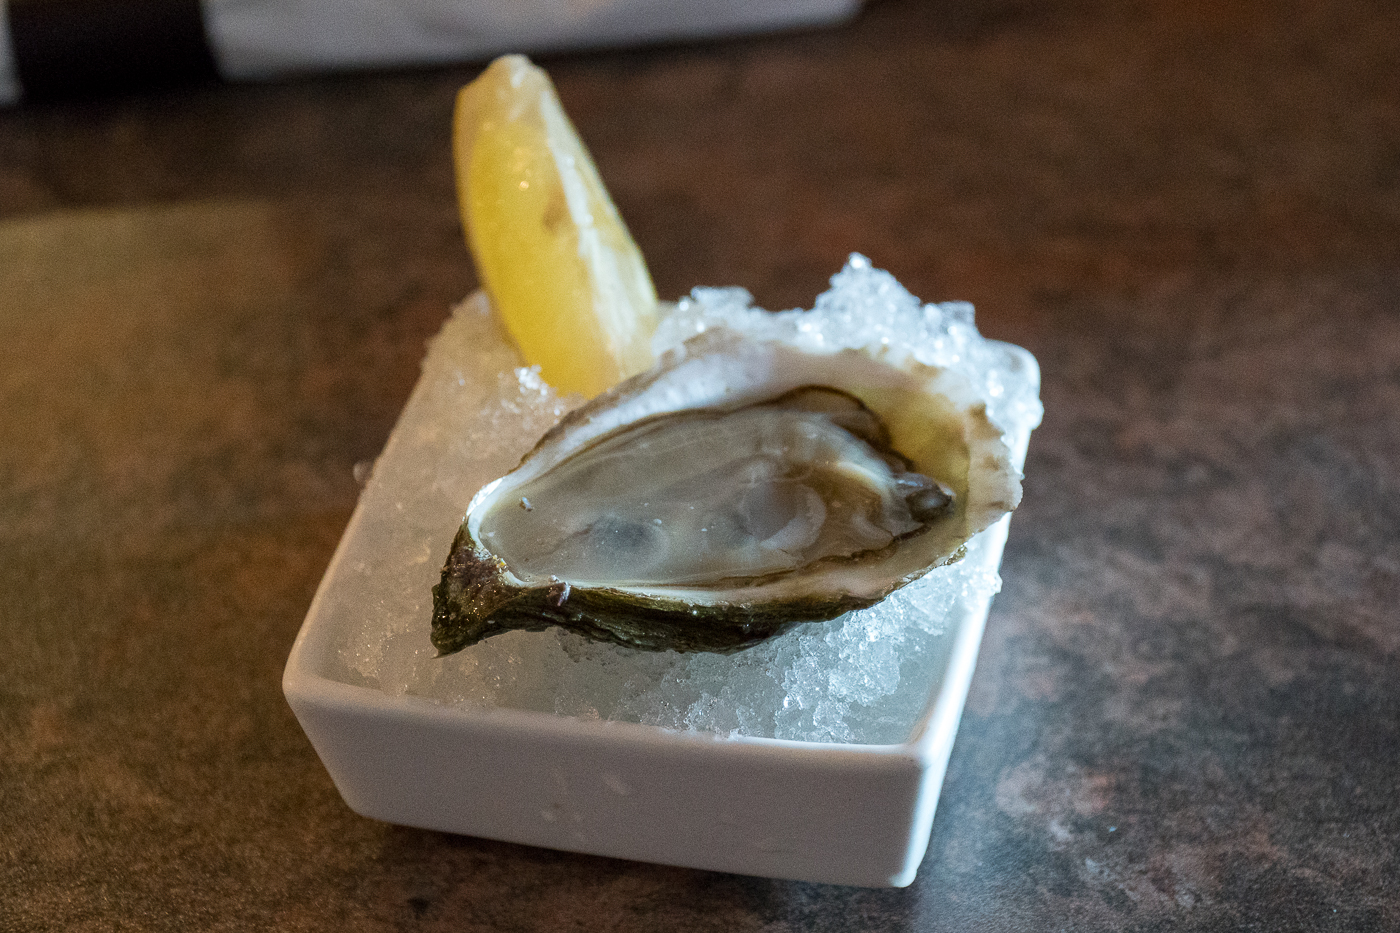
(736, 490)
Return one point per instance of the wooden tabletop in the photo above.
(1186, 715)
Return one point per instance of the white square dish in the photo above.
(841, 813)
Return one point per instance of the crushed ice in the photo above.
(864, 677)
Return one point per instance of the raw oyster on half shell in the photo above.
(736, 490)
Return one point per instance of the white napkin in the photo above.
(253, 39)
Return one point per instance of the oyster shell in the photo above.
(738, 489)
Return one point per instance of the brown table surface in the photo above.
(1186, 714)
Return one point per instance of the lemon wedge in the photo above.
(550, 247)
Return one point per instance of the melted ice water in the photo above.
(865, 677)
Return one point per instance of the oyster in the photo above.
(736, 490)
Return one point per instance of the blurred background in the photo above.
(214, 296)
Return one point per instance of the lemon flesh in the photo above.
(550, 247)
